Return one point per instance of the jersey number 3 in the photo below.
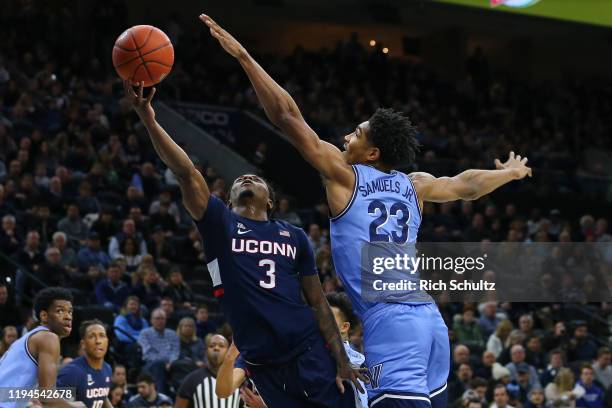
(399, 211)
(271, 265)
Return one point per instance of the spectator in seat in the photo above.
(485, 370)
(555, 363)
(517, 356)
(68, 256)
(467, 331)
(160, 348)
(130, 321)
(92, 254)
(119, 378)
(165, 197)
(593, 396)
(285, 213)
(112, 291)
(581, 347)
(10, 239)
(105, 226)
(192, 348)
(497, 340)
(488, 319)
(172, 316)
(164, 219)
(178, 290)
(9, 313)
(30, 256)
(204, 325)
(9, 335)
(129, 253)
(160, 248)
(128, 231)
(460, 383)
(563, 392)
(536, 399)
(52, 272)
(534, 355)
(150, 290)
(148, 396)
(500, 397)
(602, 366)
(72, 224)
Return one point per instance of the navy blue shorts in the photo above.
(309, 380)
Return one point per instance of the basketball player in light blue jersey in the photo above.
(405, 343)
(31, 361)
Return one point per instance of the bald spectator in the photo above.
(603, 367)
(127, 231)
(517, 356)
(485, 370)
(160, 348)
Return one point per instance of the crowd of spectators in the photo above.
(86, 204)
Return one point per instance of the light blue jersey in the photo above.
(18, 368)
(405, 342)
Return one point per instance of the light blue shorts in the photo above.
(407, 353)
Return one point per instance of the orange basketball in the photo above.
(143, 53)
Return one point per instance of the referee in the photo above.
(198, 388)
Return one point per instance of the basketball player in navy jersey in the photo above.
(89, 374)
(405, 343)
(259, 269)
(31, 361)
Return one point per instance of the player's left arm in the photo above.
(311, 286)
(471, 184)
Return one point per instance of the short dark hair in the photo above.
(45, 298)
(146, 378)
(83, 327)
(342, 302)
(474, 401)
(394, 135)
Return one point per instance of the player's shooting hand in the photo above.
(346, 372)
(142, 106)
(229, 43)
(516, 163)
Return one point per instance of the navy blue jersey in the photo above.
(255, 267)
(92, 386)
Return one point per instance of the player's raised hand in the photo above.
(142, 106)
(229, 43)
(346, 372)
(517, 163)
(232, 353)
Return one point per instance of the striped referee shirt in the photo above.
(199, 389)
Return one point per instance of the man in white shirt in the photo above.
(603, 367)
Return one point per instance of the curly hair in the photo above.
(342, 302)
(45, 298)
(394, 135)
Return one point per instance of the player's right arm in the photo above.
(194, 189)
(46, 346)
(284, 113)
(229, 377)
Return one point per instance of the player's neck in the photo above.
(96, 364)
(381, 167)
(251, 212)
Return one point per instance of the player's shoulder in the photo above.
(107, 369)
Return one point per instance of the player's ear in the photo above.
(373, 154)
(346, 326)
(270, 204)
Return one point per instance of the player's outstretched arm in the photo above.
(328, 327)
(284, 113)
(471, 184)
(193, 186)
(229, 378)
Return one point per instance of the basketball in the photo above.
(143, 53)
